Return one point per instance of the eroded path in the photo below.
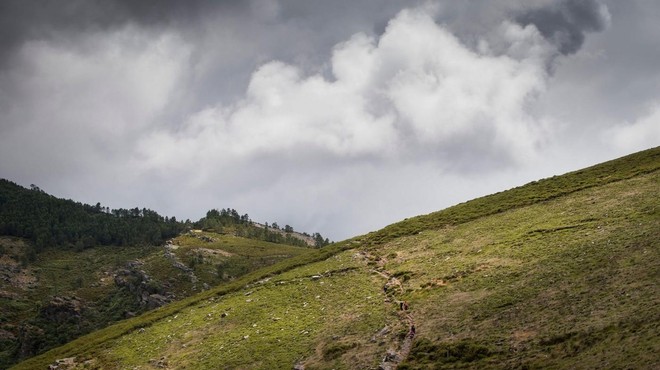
(394, 288)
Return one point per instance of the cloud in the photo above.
(78, 108)
(641, 134)
(303, 113)
(565, 22)
(415, 92)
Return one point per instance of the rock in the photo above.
(149, 294)
(63, 363)
(389, 361)
(157, 300)
(160, 363)
(61, 309)
(382, 332)
(129, 314)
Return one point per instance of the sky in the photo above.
(338, 117)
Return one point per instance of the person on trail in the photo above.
(412, 331)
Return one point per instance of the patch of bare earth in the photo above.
(214, 252)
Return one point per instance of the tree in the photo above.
(319, 241)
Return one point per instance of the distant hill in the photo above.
(229, 221)
(49, 221)
(69, 268)
(559, 273)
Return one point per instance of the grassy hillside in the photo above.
(65, 293)
(559, 273)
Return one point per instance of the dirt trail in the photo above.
(392, 288)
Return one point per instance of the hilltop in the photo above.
(559, 273)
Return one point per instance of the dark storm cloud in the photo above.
(565, 23)
(21, 21)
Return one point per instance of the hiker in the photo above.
(412, 331)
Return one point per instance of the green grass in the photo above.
(89, 275)
(538, 191)
(559, 273)
(228, 256)
(92, 344)
(556, 284)
(277, 323)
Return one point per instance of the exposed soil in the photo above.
(393, 287)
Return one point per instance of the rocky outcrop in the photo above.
(63, 363)
(170, 255)
(62, 309)
(148, 292)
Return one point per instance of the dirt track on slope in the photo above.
(392, 288)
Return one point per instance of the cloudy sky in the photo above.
(333, 116)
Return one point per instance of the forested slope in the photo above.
(50, 221)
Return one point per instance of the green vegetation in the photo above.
(69, 268)
(228, 221)
(555, 284)
(65, 293)
(534, 192)
(52, 222)
(49, 221)
(559, 273)
(95, 343)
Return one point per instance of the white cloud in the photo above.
(414, 98)
(415, 86)
(642, 134)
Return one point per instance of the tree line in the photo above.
(229, 221)
(50, 221)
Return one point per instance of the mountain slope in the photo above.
(68, 268)
(63, 293)
(559, 273)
